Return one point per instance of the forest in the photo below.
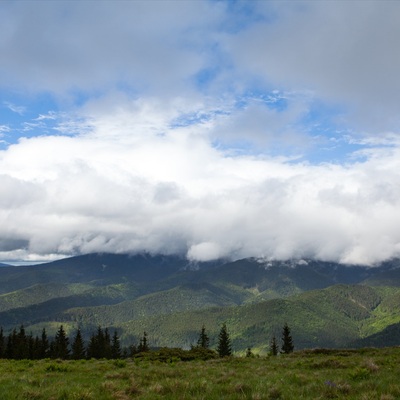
(18, 345)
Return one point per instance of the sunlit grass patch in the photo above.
(364, 374)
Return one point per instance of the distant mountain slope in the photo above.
(100, 269)
(38, 294)
(184, 298)
(327, 304)
(331, 317)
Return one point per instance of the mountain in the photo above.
(98, 269)
(326, 304)
(337, 316)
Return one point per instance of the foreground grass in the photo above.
(364, 374)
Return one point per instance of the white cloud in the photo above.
(155, 103)
(136, 183)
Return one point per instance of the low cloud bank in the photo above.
(127, 190)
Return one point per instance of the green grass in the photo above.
(327, 374)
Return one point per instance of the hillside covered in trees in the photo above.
(326, 304)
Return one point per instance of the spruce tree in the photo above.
(107, 352)
(100, 343)
(143, 345)
(21, 346)
(44, 346)
(11, 344)
(78, 347)
(36, 348)
(273, 347)
(31, 347)
(92, 348)
(287, 341)
(224, 348)
(115, 346)
(204, 340)
(60, 344)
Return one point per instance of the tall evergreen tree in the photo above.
(107, 345)
(115, 346)
(78, 347)
(273, 347)
(143, 345)
(37, 348)
(21, 345)
(204, 340)
(287, 341)
(12, 340)
(44, 346)
(92, 348)
(60, 344)
(224, 348)
(31, 347)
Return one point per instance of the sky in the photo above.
(211, 129)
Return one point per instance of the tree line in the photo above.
(224, 347)
(19, 345)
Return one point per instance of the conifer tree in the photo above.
(204, 340)
(92, 348)
(44, 345)
(60, 344)
(78, 347)
(21, 346)
(115, 346)
(143, 345)
(36, 348)
(287, 341)
(224, 348)
(107, 345)
(11, 344)
(31, 346)
(273, 347)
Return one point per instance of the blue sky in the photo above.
(206, 128)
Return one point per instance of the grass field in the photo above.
(368, 374)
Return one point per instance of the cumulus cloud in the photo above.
(169, 190)
(179, 127)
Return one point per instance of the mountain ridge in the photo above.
(132, 293)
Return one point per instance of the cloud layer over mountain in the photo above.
(210, 129)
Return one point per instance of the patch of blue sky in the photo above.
(333, 151)
(26, 116)
(331, 141)
(204, 78)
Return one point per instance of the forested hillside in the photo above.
(326, 304)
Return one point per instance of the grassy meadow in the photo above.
(367, 374)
